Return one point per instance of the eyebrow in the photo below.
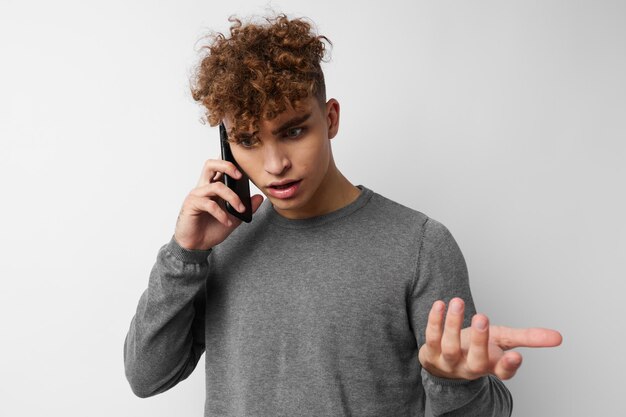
(289, 123)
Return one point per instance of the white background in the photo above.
(504, 120)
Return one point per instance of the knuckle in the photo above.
(189, 201)
(196, 192)
(232, 197)
(449, 346)
(434, 323)
(505, 342)
(450, 354)
(208, 164)
(432, 339)
(477, 367)
(211, 205)
(432, 343)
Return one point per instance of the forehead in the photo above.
(308, 106)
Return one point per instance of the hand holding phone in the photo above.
(204, 220)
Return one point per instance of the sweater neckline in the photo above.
(344, 211)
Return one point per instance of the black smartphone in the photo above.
(240, 186)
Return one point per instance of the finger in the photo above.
(434, 328)
(508, 365)
(451, 339)
(217, 177)
(219, 189)
(213, 208)
(509, 338)
(478, 354)
(213, 166)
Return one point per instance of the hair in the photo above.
(260, 69)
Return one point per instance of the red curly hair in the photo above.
(258, 70)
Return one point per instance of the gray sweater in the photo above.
(311, 317)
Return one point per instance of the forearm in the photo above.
(166, 335)
(483, 397)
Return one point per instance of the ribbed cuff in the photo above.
(451, 382)
(191, 256)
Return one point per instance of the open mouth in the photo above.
(284, 186)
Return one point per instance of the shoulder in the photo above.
(397, 215)
(393, 213)
(390, 214)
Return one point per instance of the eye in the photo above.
(294, 132)
(247, 142)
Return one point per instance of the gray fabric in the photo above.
(311, 317)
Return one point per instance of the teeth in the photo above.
(284, 186)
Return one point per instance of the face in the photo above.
(289, 158)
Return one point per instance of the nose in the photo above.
(275, 160)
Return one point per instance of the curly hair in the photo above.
(258, 70)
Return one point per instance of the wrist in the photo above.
(197, 256)
(446, 380)
(189, 246)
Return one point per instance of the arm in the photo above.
(442, 275)
(166, 335)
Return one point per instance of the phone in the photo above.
(240, 186)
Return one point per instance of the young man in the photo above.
(332, 301)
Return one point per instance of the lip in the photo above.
(281, 182)
(285, 193)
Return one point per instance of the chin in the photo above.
(284, 204)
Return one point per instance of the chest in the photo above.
(337, 284)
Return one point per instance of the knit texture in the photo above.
(310, 317)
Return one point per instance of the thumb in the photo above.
(256, 201)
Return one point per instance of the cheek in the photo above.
(315, 156)
(247, 162)
(323, 156)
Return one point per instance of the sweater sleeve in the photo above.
(442, 275)
(166, 335)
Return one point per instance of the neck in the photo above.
(334, 192)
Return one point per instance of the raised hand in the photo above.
(455, 353)
(203, 221)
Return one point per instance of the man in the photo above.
(332, 301)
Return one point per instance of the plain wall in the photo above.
(504, 120)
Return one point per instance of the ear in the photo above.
(332, 117)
